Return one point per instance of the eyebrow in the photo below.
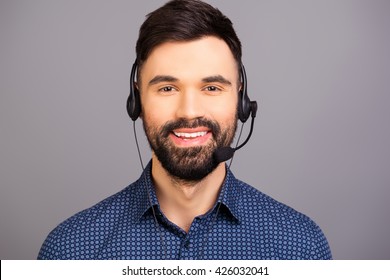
(162, 78)
(217, 79)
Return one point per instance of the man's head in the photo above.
(188, 58)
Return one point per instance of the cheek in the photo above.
(151, 122)
(155, 113)
(224, 112)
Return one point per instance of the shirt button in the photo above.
(187, 244)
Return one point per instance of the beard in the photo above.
(190, 164)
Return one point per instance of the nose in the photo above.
(190, 105)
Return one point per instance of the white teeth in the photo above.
(190, 135)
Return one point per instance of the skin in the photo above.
(189, 80)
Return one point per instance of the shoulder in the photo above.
(88, 227)
(282, 223)
(258, 202)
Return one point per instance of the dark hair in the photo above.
(185, 20)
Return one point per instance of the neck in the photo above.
(181, 201)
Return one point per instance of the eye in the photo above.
(166, 89)
(212, 88)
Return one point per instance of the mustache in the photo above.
(168, 127)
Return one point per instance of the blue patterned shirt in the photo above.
(243, 224)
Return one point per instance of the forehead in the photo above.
(198, 58)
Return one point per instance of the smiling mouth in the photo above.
(187, 135)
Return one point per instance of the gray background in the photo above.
(319, 69)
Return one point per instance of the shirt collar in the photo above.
(146, 193)
(230, 195)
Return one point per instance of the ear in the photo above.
(240, 86)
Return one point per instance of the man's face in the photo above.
(189, 104)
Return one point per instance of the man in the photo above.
(189, 93)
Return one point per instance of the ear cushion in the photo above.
(134, 104)
(133, 101)
(244, 108)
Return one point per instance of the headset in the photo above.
(245, 107)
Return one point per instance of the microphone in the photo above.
(225, 153)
